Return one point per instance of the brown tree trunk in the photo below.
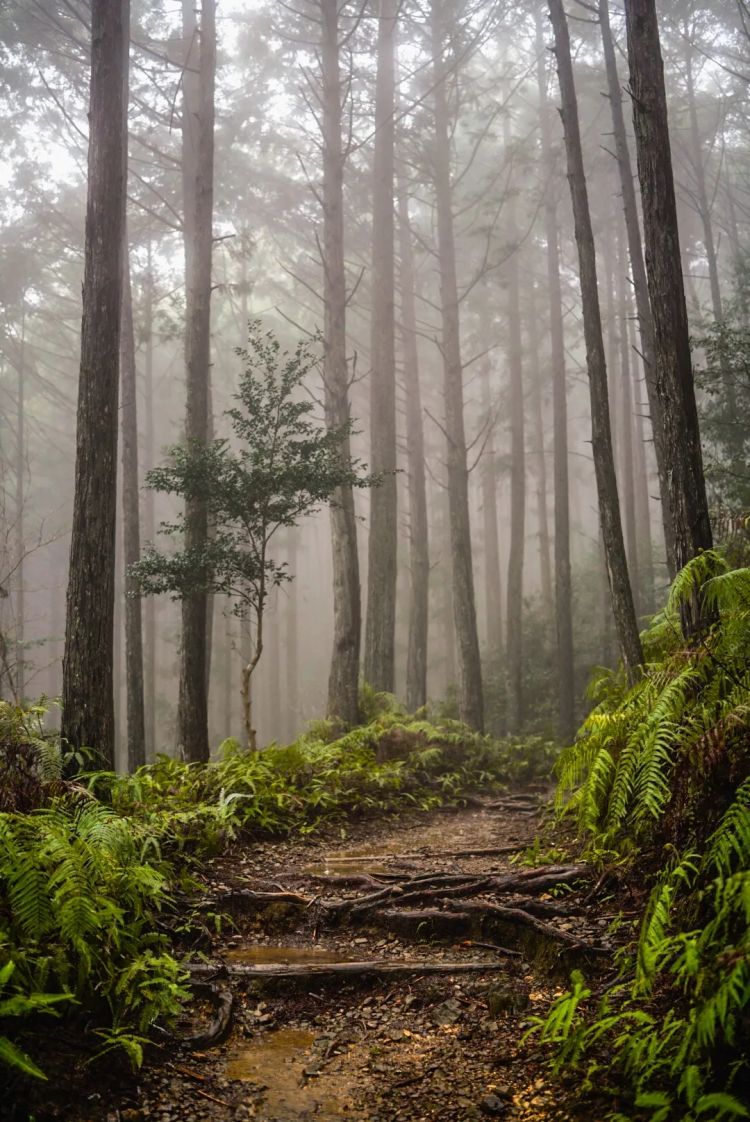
(601, 434)
(627, 472)
(343, 683)
(292, 638)
(198, 80)
(674, 372)
(642, 497)
(471, 706)
(640, 282)
(540, 453)
(514, 599)
(131, 531)
(88, 706)
(149, 605)
(563, 592)
(493, 599)
(19, 578)
(419, 555)
(383, 541)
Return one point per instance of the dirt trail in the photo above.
(372, 1047)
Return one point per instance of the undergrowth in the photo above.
(88, 867)
(658, 778)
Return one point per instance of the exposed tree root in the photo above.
(219, 1029)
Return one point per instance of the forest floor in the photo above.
(385, 976)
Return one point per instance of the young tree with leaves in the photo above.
(282, 466)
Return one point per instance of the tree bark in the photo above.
(88, 706)
(642, 496)
(149, 605)
(19, 575)
(343, 682)
(493, 604)
(540, 453)
(383, 540)
(627, 473)
(516, 550)
(198, 82)
(637, 265)
(563, 591)
(419, 554)
(674, 372)
(601, 434)
(131, 532)
(471, 705)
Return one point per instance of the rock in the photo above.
(446, 1014)
(494, 1106)
(504, 997)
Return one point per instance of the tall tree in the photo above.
(198, 82)
(673, 370)
(343, 682)
(88, 707)
(471, 704)
(563, 591)
(131, 532)
(601, 432)
(419, 553)
(381, 572)
(514, 614)
(637, 265)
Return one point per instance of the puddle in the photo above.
(351, 867)
(284, 955)
(293, 1084)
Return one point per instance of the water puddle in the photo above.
(291, 1080)
(304, 956)
(350, 867)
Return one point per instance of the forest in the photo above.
(375, 560)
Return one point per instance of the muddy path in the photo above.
(388, 976)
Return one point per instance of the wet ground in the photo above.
(421, 1047)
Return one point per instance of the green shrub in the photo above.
(660, 773)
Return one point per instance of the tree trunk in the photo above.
(198, 81)
(343, 683)
(149, 604)
(131, 532)
(471, 707)
(88, 706)
(19, 576)
(642, 497)
(640, 282)
(627, 474)
(383, 540)
(601, 434)
(674, 372)
(540, 454)
(493, 600)
(419, 555)
(292, 638)
(563, 592)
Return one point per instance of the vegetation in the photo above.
(283, 467)
(660, 781)
(88, 869)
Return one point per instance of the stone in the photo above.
(494, 1106)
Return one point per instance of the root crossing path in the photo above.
(388, 977)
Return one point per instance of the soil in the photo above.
(366, 1047)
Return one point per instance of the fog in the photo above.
(484, 74)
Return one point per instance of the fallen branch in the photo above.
(375, 967)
